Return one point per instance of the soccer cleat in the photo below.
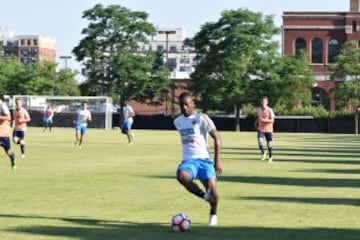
(270, 159)
(263, 156)
(213, 220)
(13, 165)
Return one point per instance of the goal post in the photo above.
(65, 108)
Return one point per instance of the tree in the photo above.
(109, 52)
(347, 68)
(295, 81)
(232, 54)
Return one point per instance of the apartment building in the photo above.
(28, 48)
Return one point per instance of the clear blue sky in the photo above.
(61, 19)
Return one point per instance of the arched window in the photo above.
(300, 46)
(316, 50)
(334, 50)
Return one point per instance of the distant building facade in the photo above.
(181, 63)
(28, 48)
(321, 35)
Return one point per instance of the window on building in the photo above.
(300, 46)
(22, 42)
(35, 42)
(172, 63)
(334, 50)
(160, 48)
(316, 50)
(172, 49)
(29, 42)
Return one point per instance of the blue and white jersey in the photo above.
(194, 131)
(128, 112)
(83, 115)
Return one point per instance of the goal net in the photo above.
(65, 108)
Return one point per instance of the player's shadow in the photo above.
(286, 181)
(310, 200)
(95, 229)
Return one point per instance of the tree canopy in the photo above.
(110, 53)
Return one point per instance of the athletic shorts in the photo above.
(203, 169)
(48, 122)
(268, 135)
(80, 128)
(5, 143)
(126, 125)
(19, 134)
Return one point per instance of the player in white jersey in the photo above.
(194, 129)
(128, 120)
(83, 117)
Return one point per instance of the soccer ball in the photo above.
(180, 223)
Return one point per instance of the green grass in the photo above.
(110, 190)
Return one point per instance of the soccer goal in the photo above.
(65, 108)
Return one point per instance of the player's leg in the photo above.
(269, 145)
(21, 141)
(186, 172)
(261, 135)
(207, 176)
(77, 134)
(5, 143)
(82, 134)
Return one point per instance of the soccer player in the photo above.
(128, 120)
(48, 118)
(83, 117)
(5, 131)
(194, 129)
(21, 118)
(264, 122)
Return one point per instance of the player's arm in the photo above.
(89, 118)
(27, 117)
(217, 148)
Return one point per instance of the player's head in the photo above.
(264, 101)
(84, 104)
(186, 103)
(18, 103)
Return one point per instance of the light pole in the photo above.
(66, 60)
(167, 32)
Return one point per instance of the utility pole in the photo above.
(66, 58)
(167, 33)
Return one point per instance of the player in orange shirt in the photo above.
(264, 123)
(21, 118)
(5, 131)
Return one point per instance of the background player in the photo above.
(83, 117)
(5, 131)
(48, 118)
(196, 161)
(265, 121)
(128, 120)
(21, 118)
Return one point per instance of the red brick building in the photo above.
(321, 35)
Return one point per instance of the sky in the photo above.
(62, 19)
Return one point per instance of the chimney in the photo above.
(354, 5)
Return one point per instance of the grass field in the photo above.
(110, 190)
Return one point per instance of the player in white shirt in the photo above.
(83, 117)
(194, 129)
(128, 120)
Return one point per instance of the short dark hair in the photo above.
(184, 95)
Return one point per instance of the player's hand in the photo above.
(218, 168)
